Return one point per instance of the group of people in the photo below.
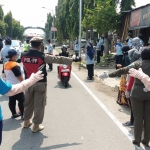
(134, 67)
(32, 100)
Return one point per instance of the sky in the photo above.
(31, 13)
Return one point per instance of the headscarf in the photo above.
(136, 43)
(134, 55)
(90, 51)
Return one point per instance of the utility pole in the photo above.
(80, 28)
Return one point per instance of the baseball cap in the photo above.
(11, 53)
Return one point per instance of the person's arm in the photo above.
(131, 81)
(139, 74)
(121, 71)
(22, 86)
(49, 59)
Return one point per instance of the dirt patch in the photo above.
(100, 86)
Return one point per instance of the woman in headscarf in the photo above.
(89, 57)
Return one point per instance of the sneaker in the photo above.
(37, 128)
(27, 124)
(128, 124)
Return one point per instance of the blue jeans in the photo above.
(1, 128)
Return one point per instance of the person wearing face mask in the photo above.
(119, 55)
(14, 75)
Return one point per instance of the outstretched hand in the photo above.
(36, 76)
(104, 75)
(136, 73)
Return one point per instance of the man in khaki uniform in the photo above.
(35, 97)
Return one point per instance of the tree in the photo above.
(126, 4)
(17, 30)
(8, 20)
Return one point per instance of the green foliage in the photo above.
(1, 13)
(2, 27)
(8, 20)
(127, 4)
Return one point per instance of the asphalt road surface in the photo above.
(73, 121)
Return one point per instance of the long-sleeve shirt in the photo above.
(130, 84)
(138, 86)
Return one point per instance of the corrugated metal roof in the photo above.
(128, 11)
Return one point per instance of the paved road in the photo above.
(73, 121)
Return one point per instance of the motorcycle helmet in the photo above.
(64, 47)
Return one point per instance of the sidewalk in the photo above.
(111, 82)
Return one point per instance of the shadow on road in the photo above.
(34, 141)
(4, 98)
(11, 124)
(61, 86)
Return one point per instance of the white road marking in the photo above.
(123, 129)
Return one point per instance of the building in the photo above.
(137, 21)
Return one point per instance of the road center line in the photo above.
(123, 129)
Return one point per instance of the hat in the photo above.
(8, 40)
(36, 39)
(11, 53)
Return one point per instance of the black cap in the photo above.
(11, 53)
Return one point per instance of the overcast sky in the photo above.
(31, 13)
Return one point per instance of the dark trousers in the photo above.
(76, 54)
(12, 103)
(1, 129)
(98, 56)
(131, 115)
(141, 111)
(118, 60)
(50, 66)
(90, 69)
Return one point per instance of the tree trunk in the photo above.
(106, 44)
(86, 32)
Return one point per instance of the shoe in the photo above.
(15, 116)
(27, 124)
(135, 143)
(128, 124)
(37, 128)
(89, 78)
(144, 143)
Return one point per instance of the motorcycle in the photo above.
(64, 74)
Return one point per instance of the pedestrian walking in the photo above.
(10, 90)
(35, 96)
(14, 74)
(50, 51)
(89, 57)
(140, 98)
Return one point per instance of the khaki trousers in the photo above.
(141, 113)
(35, 101)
